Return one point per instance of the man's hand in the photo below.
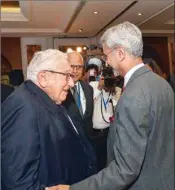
(63, 187)
(58, 187)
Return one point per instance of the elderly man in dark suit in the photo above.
(141, 137)
(79, 101)
(41, 145)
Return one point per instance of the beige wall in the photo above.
(171, 38)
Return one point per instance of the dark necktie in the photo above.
(77, 99)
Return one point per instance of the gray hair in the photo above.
(126, 35)
(44, 60)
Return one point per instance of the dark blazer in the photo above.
(40, 147)
(70, 105)
(6, 90)
(141, 138)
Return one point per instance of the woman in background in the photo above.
(153, 66)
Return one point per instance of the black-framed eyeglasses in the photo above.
(68, 75)
(78, 67)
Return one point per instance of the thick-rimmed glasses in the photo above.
(68, 75)
(77, 67)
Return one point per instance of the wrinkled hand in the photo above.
(58, 187)
(63, 187)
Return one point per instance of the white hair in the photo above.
(126, 35)
(44, 60)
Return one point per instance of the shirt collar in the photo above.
(130, 72)
(76, 84)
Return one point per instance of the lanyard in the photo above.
(105, 103)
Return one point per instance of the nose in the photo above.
(71, 82)
(74, 69)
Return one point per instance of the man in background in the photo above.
(91, 73)
(79, 101)
(98, 62)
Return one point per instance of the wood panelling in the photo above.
(11, 49)
(160, 44)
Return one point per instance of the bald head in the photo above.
(76, 61)
(75, 56)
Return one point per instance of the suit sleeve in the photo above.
(20, 147)
(129, 147)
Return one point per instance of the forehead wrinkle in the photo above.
(65, 67)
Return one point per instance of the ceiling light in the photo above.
(10, 10)
(80, 30)
(95, 12)
(69, 50)
(139, 14)
(10, 7)
(79, 49)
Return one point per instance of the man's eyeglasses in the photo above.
(68, 75)
(104, 57)
(78, 67)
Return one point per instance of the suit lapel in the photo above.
(62, 110)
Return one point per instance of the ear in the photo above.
(42, 79)
(121, 53)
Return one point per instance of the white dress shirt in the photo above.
(99, 107)
(82, 96)
(130, 72)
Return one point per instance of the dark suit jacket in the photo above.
(40, 147)
(70, 105)
(141, 138)
(5, 91)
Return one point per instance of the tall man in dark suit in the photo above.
(79, 101)
(41, 144)
(141, 137)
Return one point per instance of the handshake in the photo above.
(58, 187)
